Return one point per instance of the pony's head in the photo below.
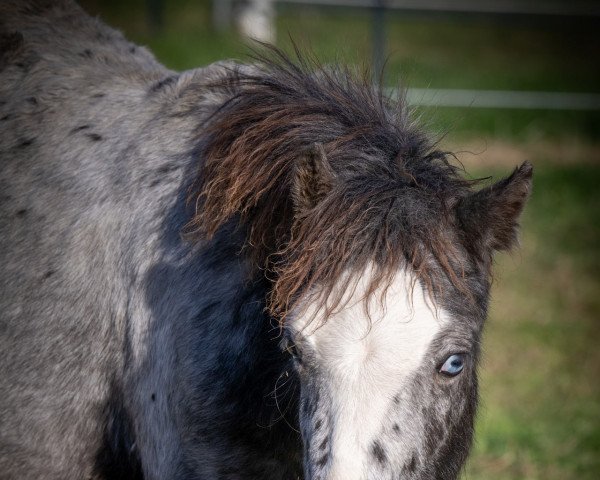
(379, 253)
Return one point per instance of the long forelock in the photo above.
(391, 195)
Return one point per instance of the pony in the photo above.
(242, 271)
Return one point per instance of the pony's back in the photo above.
(88, 169)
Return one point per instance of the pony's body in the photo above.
(128, 352)
(97, 283)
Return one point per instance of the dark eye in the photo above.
(453, 365)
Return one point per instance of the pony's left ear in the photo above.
(489, 218)
(312, 179)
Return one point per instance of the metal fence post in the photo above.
(221, 14)
(155, 10)
(378, 38)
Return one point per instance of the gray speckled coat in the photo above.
(95, 142)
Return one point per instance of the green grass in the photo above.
(540, 379)
(456, 54)
(540, 413)
(435, 53)
(514, 125)
(421, 53)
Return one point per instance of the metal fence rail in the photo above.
(503, 99)
(510, 99)
(499, 7)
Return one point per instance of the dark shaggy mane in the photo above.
(389, 199)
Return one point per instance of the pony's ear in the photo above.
(489, 218)
(312, 179)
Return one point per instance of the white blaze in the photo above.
(368, 361)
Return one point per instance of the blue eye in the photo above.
(453, 365)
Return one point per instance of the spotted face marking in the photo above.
(359, 360)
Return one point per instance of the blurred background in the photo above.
(500, 82)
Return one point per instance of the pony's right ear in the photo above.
(312, 179)
(489, 218)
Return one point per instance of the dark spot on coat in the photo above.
(153, 397)
(318, 424)
(5, 117)
(49, 273)
(323, 445)
(322, 461)
(94, 137)
(396, 428)
(98, 95)
(314, 405)
(10, 44)
(32, 100)
(21, 213)
(412, 465)
(78, 129)
(163, 83)
(378, 452)
(87, 53)
(26, 142)
(132, 50)
(167, 169)
(397, 398)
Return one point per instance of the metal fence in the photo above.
(524, 9)
(562, 8)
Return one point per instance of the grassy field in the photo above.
(540, 379)
(540, 395)
(421, 53)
